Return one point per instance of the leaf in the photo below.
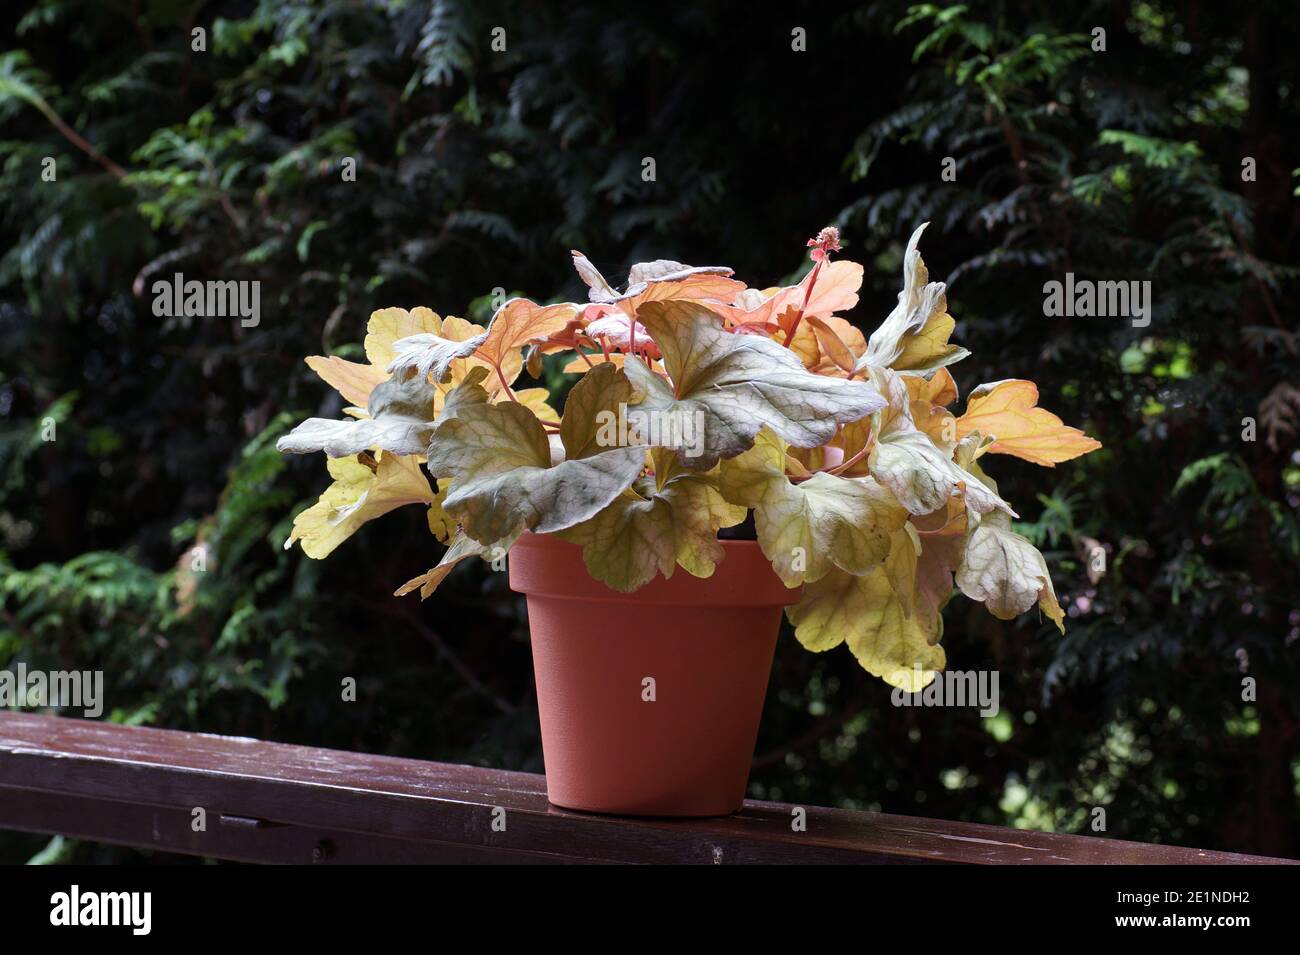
(914, 336)
(355, 381)
(1006, 411)
(430, 354)
(927, 407)
(359, 494)
(808, 529)
(732, 385)
(389, 325)
(831, 345)
(441, 525)
(661, 280)
(351, 380)
(515, 325)
(461, 548)
(536, 400)
(1006, 573)
(518, 323)
(419, 340)
(922, 475)
(939, 389)
(401, 421)
(929, 349)
(666, 270)
(469, 393)
(616, 331)
(1279, 413)
(499, 461)
(836, 290)
(889, 639)
(656, 525)
(603, 390)
(942, 536)
(599, 289)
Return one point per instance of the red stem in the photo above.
(807, 295)
(504, 384)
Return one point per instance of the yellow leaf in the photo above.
(358, 494)
(536, 401)
(930, 344)
(914, 336)
(809, 529)
(928, 406)
(461, 548)
(881, 626)
(804, 344)
(1006, 410)
(441, 524)
(387, 325)
(939, 389)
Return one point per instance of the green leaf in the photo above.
(731, 385)
(499, 461)
(603, 390)
(658, 524)
(809, 529)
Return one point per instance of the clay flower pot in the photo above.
(649, 701)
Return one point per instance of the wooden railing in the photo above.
(249, 800)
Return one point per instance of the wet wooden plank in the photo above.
(271, 802)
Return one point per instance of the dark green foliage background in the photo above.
(478, 170)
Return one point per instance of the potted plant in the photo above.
(700, 405)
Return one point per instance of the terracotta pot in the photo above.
(706, 644)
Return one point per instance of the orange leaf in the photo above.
(832, 346)
(938, 390)
(836, 289)
(703, 287)
(1006, 410)
(351, 380)
(519, 322)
